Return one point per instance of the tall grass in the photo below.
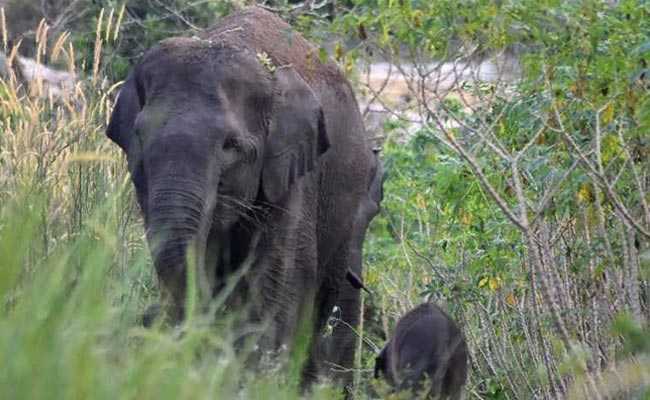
(68, 327)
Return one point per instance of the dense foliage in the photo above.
(517, 197)
(523, 203)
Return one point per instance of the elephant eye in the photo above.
(240, 149)
(232, 144)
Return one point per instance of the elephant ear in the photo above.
(296, 135)
(121, 126)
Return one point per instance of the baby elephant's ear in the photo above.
(121, 126)
(296, 136)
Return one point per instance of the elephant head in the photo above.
(211, 135)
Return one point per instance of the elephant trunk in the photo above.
(178, 227)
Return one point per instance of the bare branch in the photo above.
(478, 171)
(602, 180)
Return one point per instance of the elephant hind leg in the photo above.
(315, 365)
(349, 259)
(340, 346)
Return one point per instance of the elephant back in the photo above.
(265, 33)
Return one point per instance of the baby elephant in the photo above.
(427, 347)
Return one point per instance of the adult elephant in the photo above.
(246, 151)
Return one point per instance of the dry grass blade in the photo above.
(98, 47)
(5, 34)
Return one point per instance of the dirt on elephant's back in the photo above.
(264, 32)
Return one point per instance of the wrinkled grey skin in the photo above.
(427, 347)
(339, 347)
(246, 152)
